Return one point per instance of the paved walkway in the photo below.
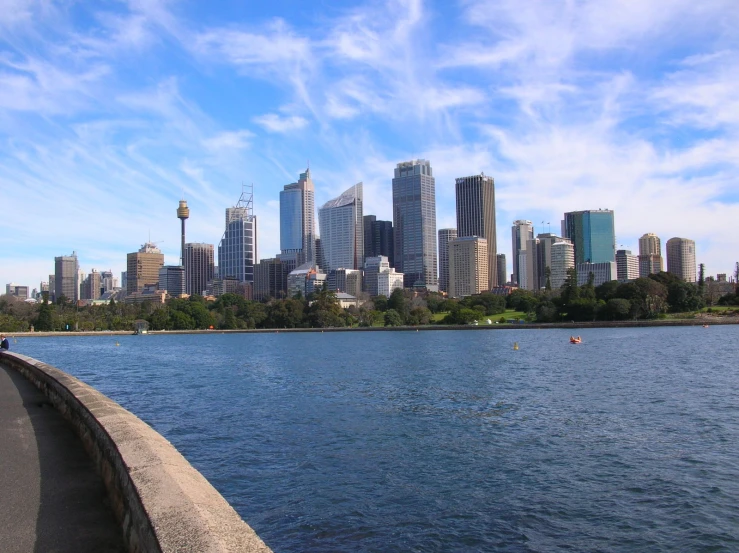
(51, 499)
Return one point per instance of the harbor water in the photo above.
(445, 440)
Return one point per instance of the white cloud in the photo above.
(281, 124)
(229, 140)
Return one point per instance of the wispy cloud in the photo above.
(280, 124)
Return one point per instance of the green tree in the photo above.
(392, 318)
(399, 303)
(380, 303)
(617, 309)
(44, 322)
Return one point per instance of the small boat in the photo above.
(575, 340)
(705, 326)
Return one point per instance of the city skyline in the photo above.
(125, 109)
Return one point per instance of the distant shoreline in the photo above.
(711, 321)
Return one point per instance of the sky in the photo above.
(112, 111)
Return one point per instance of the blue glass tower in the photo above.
(593, 235)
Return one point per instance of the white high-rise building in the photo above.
(602, 272)
(627, 265)
(341, 225)
(373, 266)
(522, 232)
(387, 281)
(563, 258)
(237, 251)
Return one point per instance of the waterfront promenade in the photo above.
(53, 499)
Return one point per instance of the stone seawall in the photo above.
(163, 504)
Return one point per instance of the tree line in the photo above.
(643, 298)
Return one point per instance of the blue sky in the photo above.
(112, 111)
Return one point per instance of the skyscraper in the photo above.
(650, 255)
(378, 238)
(681, 258)
(237, 252)
(627, 265)
(501, 268)
(563, 258)
(143, 267)
(592, 234)
(522, 231)
(446, 235)
(414, 223)
(297, 220)
(172, 279)
(342, 236)
(199, 267)
(476, 216)
(66, 277)
(270, 279)
(468, 266)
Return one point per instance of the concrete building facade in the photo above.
(468, 266)
(602, 273)
(66, 277)
(681, 258)
(650, 255)
(446, 235)
(627, 265)
(522, 232)
(476, 216)
(563, 258)
(199, 267)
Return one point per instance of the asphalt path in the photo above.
(51, 498)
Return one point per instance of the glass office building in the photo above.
(237, 251)
(592, 234)
(414, 223)
(342, 230)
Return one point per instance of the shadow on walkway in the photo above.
(53, 501)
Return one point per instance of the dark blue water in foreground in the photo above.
(448, 440)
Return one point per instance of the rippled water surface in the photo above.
(446, 440)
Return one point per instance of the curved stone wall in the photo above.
(162, 503)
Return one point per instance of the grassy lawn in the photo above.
(509, 314)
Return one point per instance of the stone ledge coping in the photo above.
(163, 504)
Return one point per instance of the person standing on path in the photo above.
(4, 344)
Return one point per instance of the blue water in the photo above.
(446, 440)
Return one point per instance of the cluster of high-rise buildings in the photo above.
(354, 253)
(588, 243)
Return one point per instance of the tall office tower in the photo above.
(446, 235)
(373, 266)
(414, 223)
(237, 251)
(172, 279)
(681, 258)
(91, 287)
(627, 265)
(378, 238)
(341, 225)
(183, 213)
(468, 266)
(563, 258)
(143, 267)
(536, 259)
(592, 234)
(66, 277)
(476, 216)
(199, 267)
(500, 267)
(270, 278)
(297, 220)
(521, 232)
(319, 255)
(650, 255)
